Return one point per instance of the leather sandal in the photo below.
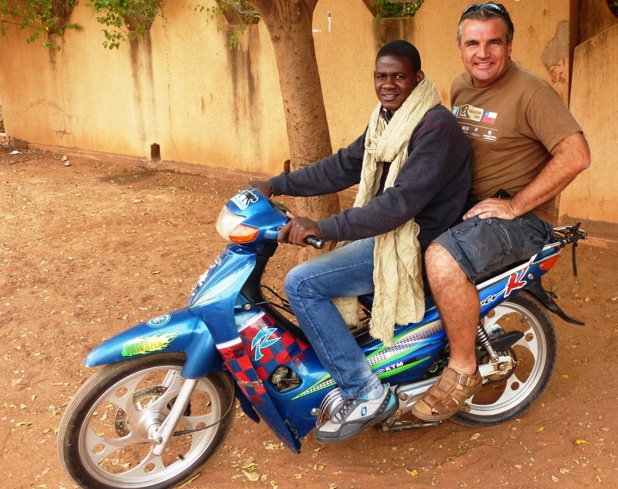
(447, 395)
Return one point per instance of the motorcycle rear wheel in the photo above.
(103, 441)
(507, 398)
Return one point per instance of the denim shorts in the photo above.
(484, 246)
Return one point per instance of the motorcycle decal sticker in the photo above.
(244, 199)
(401, 366)
(240, 366)
(412, 340)
(263, 340)
(324, 383)
(516, 281)
(269, 345)
(490, 298)
(215, 264)
(147, 344)
(408, 351)
(159, 321)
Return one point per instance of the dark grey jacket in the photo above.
(432, 184)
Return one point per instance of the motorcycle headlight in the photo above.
(231, 228)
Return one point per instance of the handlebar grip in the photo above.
(314, 241)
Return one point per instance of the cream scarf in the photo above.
(397, 276)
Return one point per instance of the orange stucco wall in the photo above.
(594, 102)
(183, 90)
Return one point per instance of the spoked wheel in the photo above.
(103, 439)
(509, 394)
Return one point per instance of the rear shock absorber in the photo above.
(483, 339)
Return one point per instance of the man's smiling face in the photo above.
(484, 50)
(394, 80)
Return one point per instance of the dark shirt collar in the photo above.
(387, 114)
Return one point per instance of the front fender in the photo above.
(179, 331)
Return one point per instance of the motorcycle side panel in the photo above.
(499, 289)
(179, 331)
(247, 379)
(269, 346)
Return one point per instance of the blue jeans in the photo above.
(344, 272)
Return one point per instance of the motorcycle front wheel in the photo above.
(509, 395)
(103, 438)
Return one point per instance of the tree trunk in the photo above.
(289, 23)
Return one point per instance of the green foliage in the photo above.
(42, 16)
(239, 15)
(613, 6)
(386, 9)
(124, 19)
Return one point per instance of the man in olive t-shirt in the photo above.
(512, 125)
(524, 142)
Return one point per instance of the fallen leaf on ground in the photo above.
(252, 476)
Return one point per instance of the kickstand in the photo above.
(406, 425)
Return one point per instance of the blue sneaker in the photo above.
(348, 417)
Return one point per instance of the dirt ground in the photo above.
(90, 248)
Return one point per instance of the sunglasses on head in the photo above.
(492, 7)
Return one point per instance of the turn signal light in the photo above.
(243, 234)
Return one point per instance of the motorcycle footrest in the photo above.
(506, 340)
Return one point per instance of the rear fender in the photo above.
(179, 331)
(537, 290)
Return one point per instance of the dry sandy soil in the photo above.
(89, 249)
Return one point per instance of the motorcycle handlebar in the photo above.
(314, 241)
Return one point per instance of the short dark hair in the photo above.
(403, 49)
(486, 11)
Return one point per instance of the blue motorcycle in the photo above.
(165, 397)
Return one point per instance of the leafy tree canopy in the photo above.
(121, 19)
(384, 8)
(44, 16)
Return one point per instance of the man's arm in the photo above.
(263, 186)
(570, 157)
(329, 175)
(337, 172)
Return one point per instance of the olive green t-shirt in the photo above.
(512, 126)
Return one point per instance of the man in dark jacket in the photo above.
(413, 167)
